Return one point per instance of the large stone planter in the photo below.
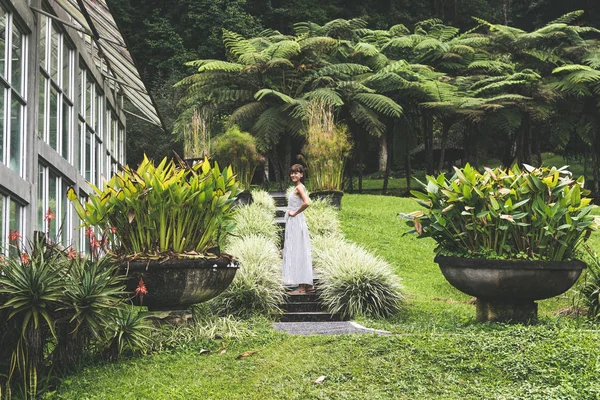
(175, 284)
(506, 290)
(334, 196)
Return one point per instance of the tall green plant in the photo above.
(238, 149)
(326, 149)
(537, 213)
(160, 210)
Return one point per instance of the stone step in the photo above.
(301, 306)
(280, 199)
(310, 316)
(303, 298)
(280, 212)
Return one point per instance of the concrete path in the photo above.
(325, 328)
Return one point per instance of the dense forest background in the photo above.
(162, 36)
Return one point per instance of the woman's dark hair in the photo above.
(298, 168)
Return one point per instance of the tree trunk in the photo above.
(274, 157)
(428, 138)
(383, 152)
(506, 11)
(388, 164)
(266, 172)
(446, 124)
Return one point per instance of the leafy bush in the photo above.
(253, 219)
(57, 308)
(322, 219)
(238, 149)
(589, 294)
(161, 209)
(538, 213)
(353, 281)
(262, 198)
(257, 286)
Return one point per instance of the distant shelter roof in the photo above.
(109, 51)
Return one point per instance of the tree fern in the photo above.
(247, 112)
(368, 119)
(259, 95)
(221, 66)
(236, 43)
(283, 49)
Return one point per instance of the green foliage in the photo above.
(255, 220)
(128, 331)
(322, 219)
(257, 286)
(590, 290)
(537, 213)
(162, 209)
(326, 149)
(353, 281)
(56, 309)
(238, 149)
(262, 198)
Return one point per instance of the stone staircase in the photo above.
(300, 307)
(306, 308)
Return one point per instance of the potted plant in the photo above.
(163, 223)
(326, 149)
(508, 237)
(238, 149)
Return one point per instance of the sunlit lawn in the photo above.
(437, 351)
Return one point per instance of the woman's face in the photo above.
(295, 176)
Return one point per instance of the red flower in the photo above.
(89, 232)
(49, 215)
(13, 236)
(113, 229)
(24, 258)
(94, 244)
(72, 254)
(141, 290)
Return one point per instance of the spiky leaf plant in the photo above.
(258, 285)
(353, 281)
(322, 219)
(253, 220)
(262, 198)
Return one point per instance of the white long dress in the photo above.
(297, 260)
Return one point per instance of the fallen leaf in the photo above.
(246, 354)
(319, 380)
(203, 351)
(222, 351)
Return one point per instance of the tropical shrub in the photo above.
(238, 149)
(326, 149)
(57, 308)
(535, 213)
(257, 286)
(322, 219)
(353, 281)
(161, 210)
(589, 294)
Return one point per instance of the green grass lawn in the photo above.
(437, 351)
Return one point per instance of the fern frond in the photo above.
(221, 66)
(567, 18)
(319, 43)
(502, 85)
(283, 49)
(399, 30)
(268, 92)
(491, 66)
(326, 95)
(280, 63)
(247, 112)
(236, 43)
(269, 127)
(367, 119)
(340, 69)
(380, 103)
(252, 58)
(366, 49)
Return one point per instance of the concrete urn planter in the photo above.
(506, 290)
(334, 196)
(175, 284)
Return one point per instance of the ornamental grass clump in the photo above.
(258, 285)
(322, 219)
(534, 213)
(353, 281)
(262, 198)
(327, 147)
(253, 219)
(161, 210)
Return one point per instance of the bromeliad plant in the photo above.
(161, 210)
(535, 213)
